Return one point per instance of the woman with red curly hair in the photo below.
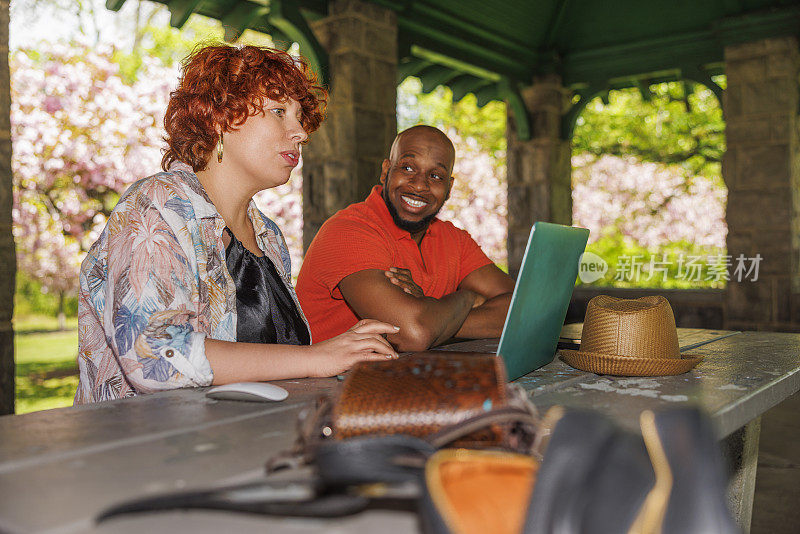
(189, 284)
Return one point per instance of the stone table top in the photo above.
(60, 468)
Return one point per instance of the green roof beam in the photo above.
(464, 85)
(434, 76)
(585, 95)
(114, 5)
(432, 13)
(455, 64)
(180, 11)
(703, 77)
(754, 26)
(613, 62)
(411, 67)
(395, 5)
(464, 50)
(668, 75)
(285, 16)
(555, 24)
(678, 51)
(732, 6)
(241, 17)
(644, 90)
(484, 95)
(509, 91)
(687, 90)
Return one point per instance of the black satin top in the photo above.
(266, 312)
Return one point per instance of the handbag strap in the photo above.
(507, 415)
(401, 458)
(394, 459)
(300, 498)
(520, 415)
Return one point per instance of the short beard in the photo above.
(409, 226)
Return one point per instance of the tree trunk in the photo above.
(62, 319)
(8, 260)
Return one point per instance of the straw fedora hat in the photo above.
(630, 337)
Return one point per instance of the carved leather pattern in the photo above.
(420, 394)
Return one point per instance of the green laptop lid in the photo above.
(541, 297)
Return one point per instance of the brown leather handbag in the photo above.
(421, 394)
(443, 398)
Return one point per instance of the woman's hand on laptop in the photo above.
(402, 279)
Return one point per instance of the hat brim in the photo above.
(613, 364)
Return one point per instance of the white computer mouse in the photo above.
(248, 391)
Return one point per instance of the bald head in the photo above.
(417, 177)
(428, 135)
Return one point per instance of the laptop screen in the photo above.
(541, 297)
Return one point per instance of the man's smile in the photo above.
(414, 203)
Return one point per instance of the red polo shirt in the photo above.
(364, 236)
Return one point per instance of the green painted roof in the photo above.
(586, 41)
(493, 48)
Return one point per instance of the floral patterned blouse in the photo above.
(155, 285)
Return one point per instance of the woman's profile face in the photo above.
(266, 148)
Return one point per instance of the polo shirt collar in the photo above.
(376, 203)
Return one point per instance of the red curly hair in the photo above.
(222, 85)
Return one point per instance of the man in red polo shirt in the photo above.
(391, 259)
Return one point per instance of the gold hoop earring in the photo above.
(219, 149)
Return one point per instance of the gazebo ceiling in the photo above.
(492, 49)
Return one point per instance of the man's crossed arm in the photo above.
(477, 309)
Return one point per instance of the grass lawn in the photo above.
(47, 372)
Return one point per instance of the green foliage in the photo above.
(29, 299)
(171, 45)
(167, 44)
(680, 124)
(487, 125)
(617, 250)
(46, 370)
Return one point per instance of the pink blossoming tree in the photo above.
(649, 203)
(80, 135)
(477, 200)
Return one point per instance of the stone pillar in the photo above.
(761, 168)
(8, 259)
(342, 161)
(539, 170)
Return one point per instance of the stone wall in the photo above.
(762, 171)
(539, 170)
(342, 161)
(8, 261)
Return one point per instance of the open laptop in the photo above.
(541, 297)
